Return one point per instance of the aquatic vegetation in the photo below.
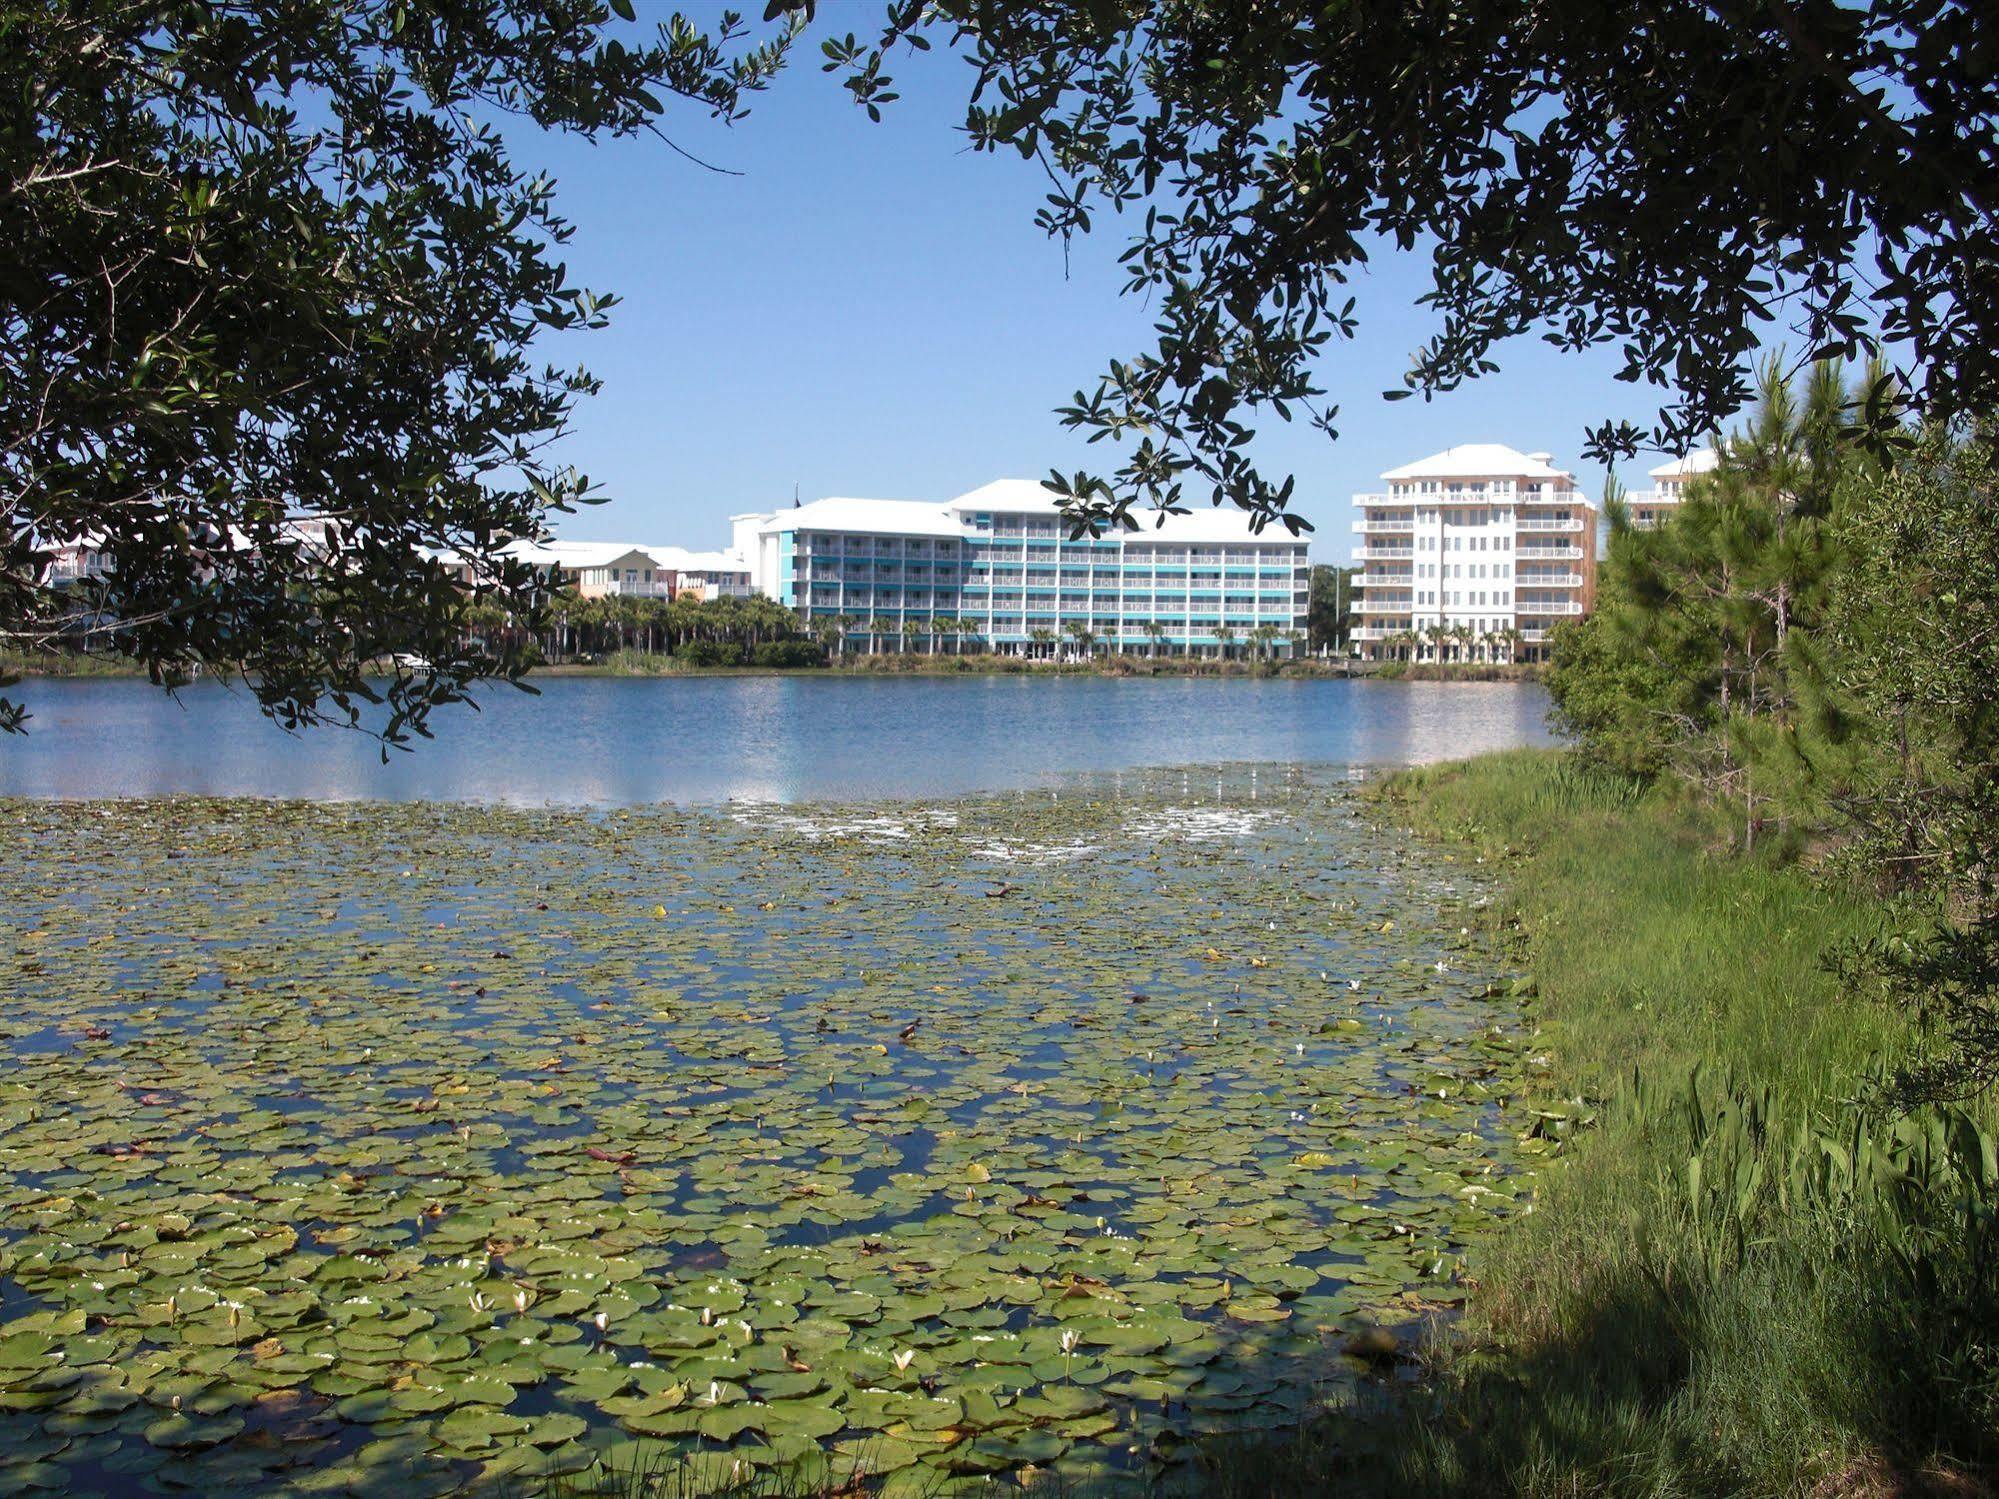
(444, 1142)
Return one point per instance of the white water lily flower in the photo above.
(902, 1359)
(602, 1319)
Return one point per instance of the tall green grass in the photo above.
(1743, 1278)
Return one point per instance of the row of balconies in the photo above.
(1395, 525)
(1546, 496)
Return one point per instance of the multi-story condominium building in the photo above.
(1669, 487)
(997, 566)
(1474, 553)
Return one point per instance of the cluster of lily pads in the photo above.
(381, 1148)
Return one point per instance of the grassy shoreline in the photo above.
(1696, 1305)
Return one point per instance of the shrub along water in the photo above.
(1748, 1277)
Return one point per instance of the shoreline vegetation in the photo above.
(658, 664)
(1743, 1277)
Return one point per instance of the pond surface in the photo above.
(376, 1149)
(607, 741)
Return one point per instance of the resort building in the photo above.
(1472, 554)
(600, 568)
(705, 575)
(1669, 487)
(997, 567)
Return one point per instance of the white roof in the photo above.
(680, 560)
(1015, 495)
(1201, 522)
(896, 517)
(1699, 461)
(1480, 460)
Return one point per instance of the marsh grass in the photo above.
(1700, 1302)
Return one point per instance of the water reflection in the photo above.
(593, 741)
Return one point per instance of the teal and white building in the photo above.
(997, 567)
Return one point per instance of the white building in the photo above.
(1474, 553)
(705, 575)
(1669, 486)
(996, 566)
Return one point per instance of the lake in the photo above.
(625, 741)
(423, 1148)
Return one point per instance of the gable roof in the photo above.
(1699, 461)
(1480, 460)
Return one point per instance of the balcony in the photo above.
(1369, 553)
(1566, 523)
(1375, 524)
(1386, 580)
(1569, 607)
(1548, 580)
(1548, 554)
(1384, 499)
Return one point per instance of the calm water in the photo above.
(625, 740)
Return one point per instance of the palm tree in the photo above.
(1263, 634)
(1224, 639)
(879, 629)
(1154, 632)
(1041, 635)
(1079, 631)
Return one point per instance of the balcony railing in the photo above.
(1367, 552)
(1384, 499)
(1568, 607)
(1548, 580)
(1377, 523)
(1386, 580)
(1548, 554)
(1567, 523)
(1385, 606)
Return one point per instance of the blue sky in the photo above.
(868, 309)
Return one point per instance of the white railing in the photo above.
(1547, 554)
(1547, 580)
(1566, 524)
(1385, 606)
(1522, 606)
(1387, 580)
(1384, 499)
(1379, 523)
(1368, 553)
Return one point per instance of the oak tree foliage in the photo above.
(265, 260)
(1675, 179)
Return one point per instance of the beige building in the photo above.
(1472, 554)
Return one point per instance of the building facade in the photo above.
(1472, 554)
(998, 568)
(1669, 487)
